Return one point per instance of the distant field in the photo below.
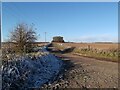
(41, 43)
(104, 51)
(101, 46)
(10, 44)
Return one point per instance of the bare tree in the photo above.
(23, 36)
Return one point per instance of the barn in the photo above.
(57, 39)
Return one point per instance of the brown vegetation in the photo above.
(104, 51)
(101, 46)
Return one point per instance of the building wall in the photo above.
(58, 39)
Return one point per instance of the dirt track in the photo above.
(89, 73)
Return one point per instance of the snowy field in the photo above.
(29, 71)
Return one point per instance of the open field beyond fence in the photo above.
(103, 51)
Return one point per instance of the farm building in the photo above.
(57, 39)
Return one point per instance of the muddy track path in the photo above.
(88, 73)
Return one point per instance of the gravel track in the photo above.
(87, 73)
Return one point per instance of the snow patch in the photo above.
(24, 72)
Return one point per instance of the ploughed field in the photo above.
(103, 51)
(101, 46)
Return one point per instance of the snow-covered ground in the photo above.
(30, 72)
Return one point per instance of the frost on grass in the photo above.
(30, 72)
